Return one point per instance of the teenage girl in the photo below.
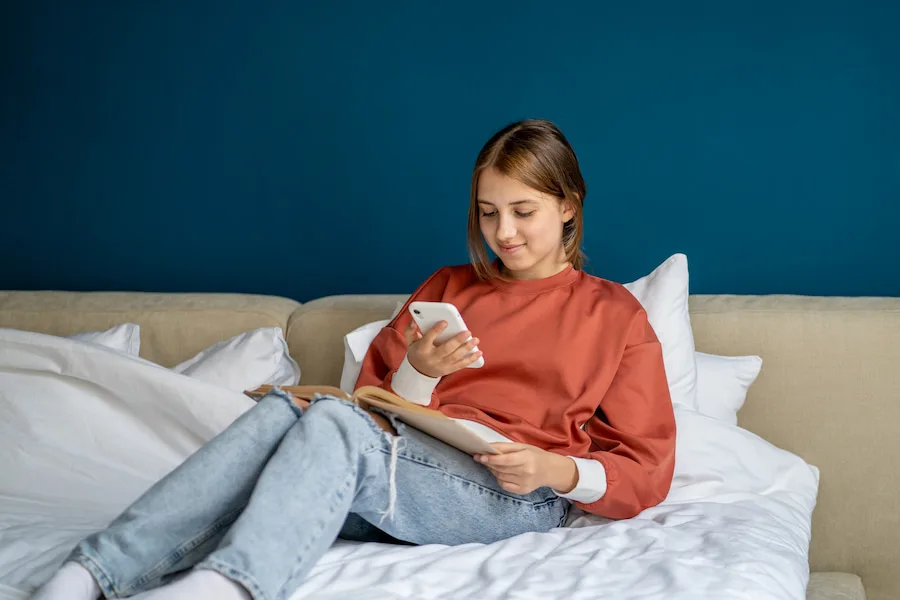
(573, 394)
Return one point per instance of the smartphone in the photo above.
(428, 314)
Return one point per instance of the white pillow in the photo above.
(124, 338)
(720, 463)
(245, 362)
(723, 382)
(356, 344)
(84, 431)
(715, 460)
(664, 295)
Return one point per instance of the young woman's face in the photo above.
(522, 225)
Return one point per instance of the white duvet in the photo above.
(85, 430)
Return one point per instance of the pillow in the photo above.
(722, 384)
(664, 295)
(356, 344)
(720, 463)
(124, 338)
(715, 461)
(245, 362)
(84, 431)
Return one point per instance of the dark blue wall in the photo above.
(314, 148)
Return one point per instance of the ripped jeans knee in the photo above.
(388, 430)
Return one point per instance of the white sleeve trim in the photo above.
(591, 484)
(412, 385)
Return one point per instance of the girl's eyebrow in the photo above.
(517, 202)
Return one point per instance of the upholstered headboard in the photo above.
(174, 327)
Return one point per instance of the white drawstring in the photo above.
(392, 478)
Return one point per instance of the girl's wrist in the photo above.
(561, 473)
(419, 370)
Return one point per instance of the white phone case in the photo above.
(428, 314)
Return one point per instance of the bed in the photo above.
(86, 428)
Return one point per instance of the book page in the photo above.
(366, 393)
(302, 392)
(441, 427)
(428, 420)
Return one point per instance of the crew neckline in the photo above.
(565, 277)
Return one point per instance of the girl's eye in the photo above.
(522, 215)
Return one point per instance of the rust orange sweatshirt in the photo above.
(571, 366)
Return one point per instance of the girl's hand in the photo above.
(522, 468)
(438, 360)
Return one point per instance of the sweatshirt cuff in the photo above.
(411, 385)
(591, 484)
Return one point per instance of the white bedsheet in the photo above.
(84, 430)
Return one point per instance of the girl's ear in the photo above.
(568, 211)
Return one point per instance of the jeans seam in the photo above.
(248, 581)
(104, 581)
(298, 564)
(182, 550)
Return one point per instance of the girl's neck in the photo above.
(530, 276)
(541, 271)
(518, 285)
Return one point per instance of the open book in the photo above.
(430, 421)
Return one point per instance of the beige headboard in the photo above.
(174, 327)
(829, 388)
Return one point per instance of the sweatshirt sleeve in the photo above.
(633, 431)
(385, 364)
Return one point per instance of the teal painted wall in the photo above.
(314, 148)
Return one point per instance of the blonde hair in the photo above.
(536, 153)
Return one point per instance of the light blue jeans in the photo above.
(263, 501)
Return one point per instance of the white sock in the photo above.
(70, 582)
(200, 584)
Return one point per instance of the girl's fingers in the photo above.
(503, 461)
(448, 348)
(501, 477)
(468, 360)
(410, 333)
(432, 333)
(504, 471)
(514, 488)
(463, 351)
